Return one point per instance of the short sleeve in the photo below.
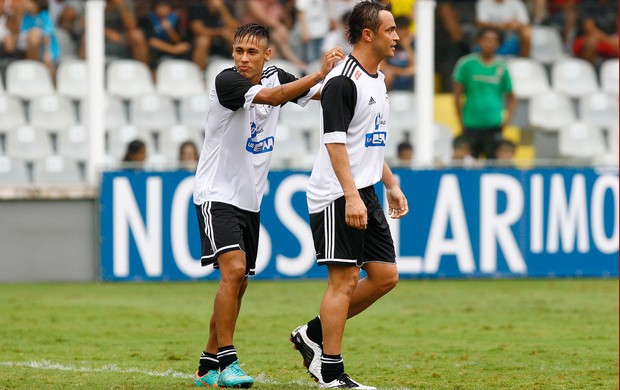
(231, 89)
(459, 74)
(338, 102)
(506, 81)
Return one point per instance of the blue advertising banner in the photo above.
(462, 223)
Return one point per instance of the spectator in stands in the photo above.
(598, 30)
(36, 33)
(505, 152)
(313, 20)
(462, 152)
(123, 37)
(404, 157)
(161, 29)
(511, 19)
(8, 30)
(399, 70)
(135, 154)
(188, 155)
(270, 13)
(338, 36)
(212, 25)
(562, 14)
(484, 82)
(66, 14)
(450, 42)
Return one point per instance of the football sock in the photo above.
(226, 355)
(208, 362)
(315, 331)
(332, 366)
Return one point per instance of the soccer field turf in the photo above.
(443, 334)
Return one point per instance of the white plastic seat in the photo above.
(73, 143)
(52, 112)
(609, 76)
(547, 44)
(582, 141)
(550, 111)
(284, 65)
(13, 171)
(128, 79)
(599, 109)
(528, 77)
(304, 121)
(27, 79)
(72, 79)
(56, 170)
(118, 138)
(12, 114)
(215, 66)
(171, 139)
(193, 110)
(290, 150)
(156, 115)
(179, 78)
(27, 142)
(403, 116)
(114, 113)
(574, 77)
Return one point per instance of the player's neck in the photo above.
(366, 59)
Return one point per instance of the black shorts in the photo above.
(225, 228)
(337, 243)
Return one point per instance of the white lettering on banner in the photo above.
(296, 225)
(536, 213)
(449, 208)
(147, 236)
(179, 234)
(568, 217)
(603, 243)
(494, 227)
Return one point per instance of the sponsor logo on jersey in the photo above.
(371, 101)
(375, 139)
(357, 75)
(261, 146)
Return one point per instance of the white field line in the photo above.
(47, 365)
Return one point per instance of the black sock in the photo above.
(208, 362)
(332, 366)
(226, 355)
(315, 331)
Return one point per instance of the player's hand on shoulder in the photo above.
(331, 58)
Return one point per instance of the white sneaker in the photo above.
(344, 382)
(310, 351)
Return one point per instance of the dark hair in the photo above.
(506, 143)
(188, 143)
(402, 21)
(485, 30)
(459, 141)
(405, 145)
(133, 147)
(252, 30)
(365, 14)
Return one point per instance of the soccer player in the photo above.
(348, 225)
(231, 178)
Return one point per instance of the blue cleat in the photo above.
(233, 376)
(207, 380)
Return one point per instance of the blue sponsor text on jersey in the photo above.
(261, 146)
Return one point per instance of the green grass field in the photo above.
(445, 334)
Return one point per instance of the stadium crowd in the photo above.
(151, 32)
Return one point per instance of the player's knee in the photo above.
(389, 281)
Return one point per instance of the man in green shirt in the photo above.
(484, 82)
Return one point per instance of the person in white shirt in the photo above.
(313, 19)
(231, 178)
(349, 226)
(509, 17)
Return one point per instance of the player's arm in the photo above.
(283, 93)
(458, 91)
(355, 209)
(397, 202)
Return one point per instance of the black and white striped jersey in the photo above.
(239, 139)
(354, 111)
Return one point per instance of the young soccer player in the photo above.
(348, 224)
(231, 178)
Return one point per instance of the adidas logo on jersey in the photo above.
(372, 101)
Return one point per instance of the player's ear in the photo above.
(267, 54)
(367, 34)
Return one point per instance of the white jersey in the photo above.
(239, 139)
(354, 111)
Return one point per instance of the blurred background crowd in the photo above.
(199, 32)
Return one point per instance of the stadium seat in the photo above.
(215, 66)
(550, 111)
(170, 139)
(609, 76)
(574, 77)
(13, 171)
(56, 170)
(52, 112)
(547, 44)
(599, 109)
(304, 121)
(580, 140)
(285, 65)
(403, 116)
(290, 150)
(73, 143)
(528, 77)
(27, 142)
(193, 110)
(155, 114)
(128, 79)
(118, 138)
(179, 78)
(612, 139)
(114, 114)
(12, 113)
(442, 140)
(27, 79)
(71, 79)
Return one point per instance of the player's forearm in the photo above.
(286, 92)
(387, 177)
(340, 163)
